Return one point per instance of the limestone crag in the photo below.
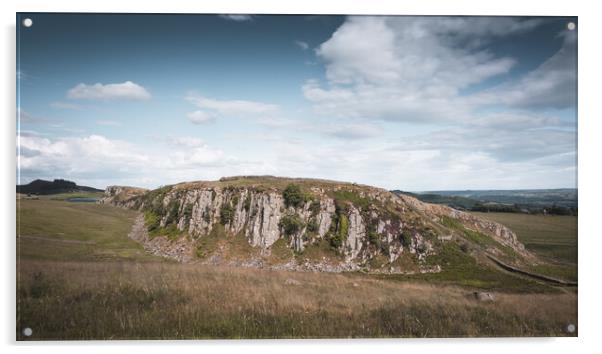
(362, 225)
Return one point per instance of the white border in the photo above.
(589, 170)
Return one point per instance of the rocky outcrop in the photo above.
(359, 224)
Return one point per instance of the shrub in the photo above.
(373, 238)
(335, 240)
(406, 238)
(293, 196)
(226, 214)
(353, 197)
(343, 226)
(312, 226)
(188, 211)
(291, 224)
(151, 220)
(314, 207)
(172, 215)
(247, 205)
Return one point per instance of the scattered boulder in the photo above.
(290, 281)
(484, 296)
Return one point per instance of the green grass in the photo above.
(461, 268)
(65, 196)
(552, 237)
(60, 230)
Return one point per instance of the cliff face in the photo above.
(352, 226)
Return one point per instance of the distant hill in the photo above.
(42, 187)
(565, 197)
(554, 201)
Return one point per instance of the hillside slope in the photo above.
(307, 224)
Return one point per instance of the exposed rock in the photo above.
(371, 223)
(290, 281)
(355, 234)
(484, 296)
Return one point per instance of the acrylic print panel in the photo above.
(273, 176)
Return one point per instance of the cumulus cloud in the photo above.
(104, 160)
(201, 117)
(352, 130)
(422, 66)
(106, 92)
(231, 107)
(185, 141)
(210, 109)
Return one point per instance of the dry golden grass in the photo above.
(100, 300)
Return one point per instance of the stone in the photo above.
(290, 281)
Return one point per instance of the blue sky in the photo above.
(415, 103)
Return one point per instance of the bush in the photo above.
(188, 211)
(335, 240)
(247, 205)
(312, 226)
(314, 207)
(406, 238)
(343, 226)
(172, 215)
(293, 196)
(226, 214)
(291, 224)
(151, 220)
(373, 238)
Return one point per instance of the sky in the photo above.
(398, 102)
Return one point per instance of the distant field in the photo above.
(81, 277)
(61, 230)
(552, 237)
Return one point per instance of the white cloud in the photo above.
(352, 130)
(185, 141)
(552, 85)
(232, 107)
(93, 153)
(303, 45)
(103, 161)
(121, 91)
(237, 17)
(201, 117)
(420, 69)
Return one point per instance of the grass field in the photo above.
(80, 277)
(552, 237)
(61, 230)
